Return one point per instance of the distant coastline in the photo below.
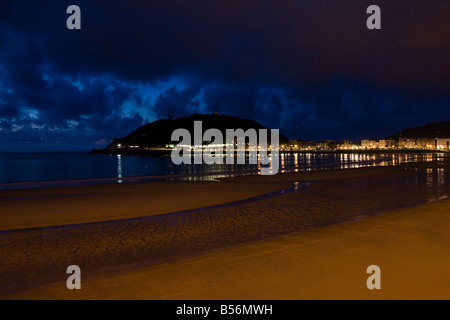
(134, 152)
(156, 138)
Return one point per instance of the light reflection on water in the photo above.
(298, 162)
(311, 161)
(119, 169)
(31, 170)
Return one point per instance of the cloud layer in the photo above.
(311, 64)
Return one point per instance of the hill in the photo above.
(158, 133)
(432, 130)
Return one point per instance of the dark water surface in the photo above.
(19, 170)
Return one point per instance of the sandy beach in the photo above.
(312, 243)
(43, 207)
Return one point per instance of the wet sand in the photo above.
(309, 244)
(43, 207)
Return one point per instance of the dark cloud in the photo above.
(173, 102)
(234, 98)
(311, 64)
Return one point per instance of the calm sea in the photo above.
(19, 170)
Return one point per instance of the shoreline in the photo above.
(49, 206)
(75, 205)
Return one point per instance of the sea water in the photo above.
(19, 170)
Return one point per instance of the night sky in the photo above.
(306, 63)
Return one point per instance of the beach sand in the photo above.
(43, 207)
(410, 246)
(325, 260)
